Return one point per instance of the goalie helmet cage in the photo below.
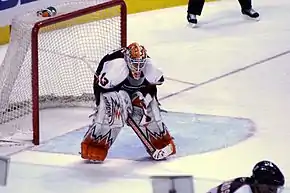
(46, 64)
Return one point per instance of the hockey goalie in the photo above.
(125, 86)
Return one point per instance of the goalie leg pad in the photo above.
(146, 113)
(107, 123)
(97, 141)
(91, 149)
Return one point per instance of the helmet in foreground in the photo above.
(267, 177)
(135, 57)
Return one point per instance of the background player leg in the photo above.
(246, 7)
(194, 8)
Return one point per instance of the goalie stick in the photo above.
(157, 154)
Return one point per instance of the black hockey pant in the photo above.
(195, 6)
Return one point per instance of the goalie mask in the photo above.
(135, 56)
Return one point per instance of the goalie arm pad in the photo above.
(152, 74)
(109, 76)
(112, 73)
(113, 109)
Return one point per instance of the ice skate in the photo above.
(191, 18)
(251, 14)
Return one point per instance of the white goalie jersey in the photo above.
(113, 74)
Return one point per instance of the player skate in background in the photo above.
(266, 178)
(195, 8)
(125, 83)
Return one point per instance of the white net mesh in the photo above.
(65, 49)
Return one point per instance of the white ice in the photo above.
(223, 43)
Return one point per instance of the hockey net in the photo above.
(49, 61)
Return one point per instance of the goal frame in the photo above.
(34, 51)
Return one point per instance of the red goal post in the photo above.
(46, 64)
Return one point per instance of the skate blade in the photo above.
(88, 161)
(94, 161)
(192, 25)
(251, 18)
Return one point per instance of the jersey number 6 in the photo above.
(103, 80)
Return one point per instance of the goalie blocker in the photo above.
(125, 88)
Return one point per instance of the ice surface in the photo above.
(192, 132)
(223, 43)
